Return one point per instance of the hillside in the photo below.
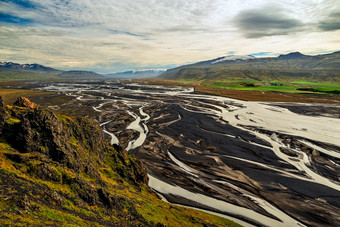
(15, 71)
(59, 170)
(6, 74)
(76, 74)
(36, 68)
(290, 67)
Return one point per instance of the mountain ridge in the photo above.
(292, 66)
(11, 70)
(292, 55)
(136, 74)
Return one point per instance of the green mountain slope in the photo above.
(24, 75)
(57, 170)
(15, 71)
(80, 75)
(291, 67)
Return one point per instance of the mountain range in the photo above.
(286, 67)
(292, 66)
(136, 74)
(11, 70)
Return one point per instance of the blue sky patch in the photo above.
(6, 18)
(260, 54)
(22, 3)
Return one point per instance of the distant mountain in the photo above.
(136, 74)
(11, 70)
(80, 75)
(36, 68)
(293, 55)
(293, 66)
(233, 58)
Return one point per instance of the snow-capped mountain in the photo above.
(135, 74)
(233, 58)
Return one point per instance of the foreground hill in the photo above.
(15, 71)
(291, 67)
(58, 170)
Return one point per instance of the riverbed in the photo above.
(256, 162)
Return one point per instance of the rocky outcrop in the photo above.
(77, 143)
(25, 102)
(47, 143)
(1, 102)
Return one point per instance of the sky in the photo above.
(109, 36)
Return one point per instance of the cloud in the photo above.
(23, 3)
(112, 35)
(268, 21)
(331, 23)
(128, 33)
(7, 18)
(261, 54)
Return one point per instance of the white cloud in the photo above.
(140, 33)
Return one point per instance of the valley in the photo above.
(257, 163)
(170, 113)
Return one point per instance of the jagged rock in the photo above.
(18, 158)
(66, 141)
(66, 151)
(1, 102)
(315, 153)
(25, 102)
(57, 198)
(23, 202)
(2, 117)
(85, 191)
(46, 172)
(104, 196)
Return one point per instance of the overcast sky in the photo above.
(118, 35)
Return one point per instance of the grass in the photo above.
(289, 89)
(22, 75)
(255, 90)
(12, 121)
(10, 95)
(178, 215)
(274, 86)
(55, 215)
(316, 83)
(269, 96)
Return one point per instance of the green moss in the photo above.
(59, 216)
(4, 146)
(64, 119)
(74, 142)
(12, 121)
(43, 149)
